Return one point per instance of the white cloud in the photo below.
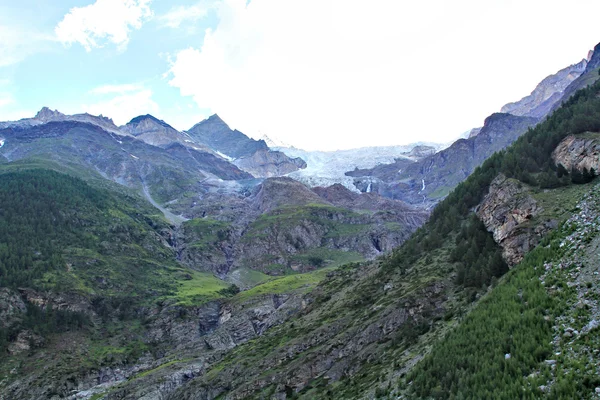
(180, 14)
(345, 73)
(105, 20)
(124, 106)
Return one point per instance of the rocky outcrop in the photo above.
(268, 163)
(12, 308)
(579, 152)
(546, 93)
(25, 341)
(58, 301)
(507, 211)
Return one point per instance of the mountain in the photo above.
(131, 270)
(158, 133)
(438, 318)
(47, 115)
(85, 210)
(162, 175)
(215, 133)
(546, 93)
(425, 181)
(253, 156)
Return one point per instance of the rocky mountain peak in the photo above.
(46, 114)
(594, 58)
(215, 119)
(149, 118)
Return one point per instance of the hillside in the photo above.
(374, 322)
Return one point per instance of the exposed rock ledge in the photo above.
(579, 152)
(506, 211)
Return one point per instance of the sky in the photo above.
(317, 74)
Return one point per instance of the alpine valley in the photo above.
(143, 262)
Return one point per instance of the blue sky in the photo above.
(70, 78)
(319, 74)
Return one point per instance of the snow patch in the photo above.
(369, 188)
(1, 142)
(225, 156)
(423, 181)
(134, 157)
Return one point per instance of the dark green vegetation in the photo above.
(59, 235)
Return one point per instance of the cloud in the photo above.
(180, 14)
(300, 70)
(104, 21)
(345, 73)
(125, 105)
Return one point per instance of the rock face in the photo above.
(12, 308)
(268, 163)
(506, 211)
(547, 93)
(579, 152)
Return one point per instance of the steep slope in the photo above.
(80, 268)
(253, 156)
(588, 77)
(365, 327)
(428, 180)
(550, 90)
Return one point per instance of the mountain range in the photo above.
(143, 262)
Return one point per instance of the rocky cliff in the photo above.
(269, 163)
(546, 93)
(579, 152)
(507, 211)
